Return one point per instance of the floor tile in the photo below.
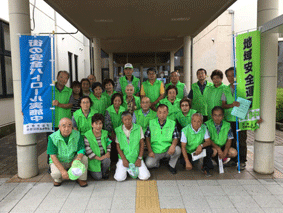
(219, 202)
(207, 182)
(250, 210)
(243, 201)
(122, 211)
(200, 210)
(171, 202)
(212, 190)
(267, 181)
(256, 190)
(99, 203)
(123, 203)
(168, 191)
(229, 182)
(195, 202)
(7, 188)
(235, 190)
(225, 210)
(191, 191)
(7, 205)
(267, 201)
(19, 191)
(275, 189)
(273, 210)
(249, 182)
(182, 183)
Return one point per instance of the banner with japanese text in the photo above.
(36, 76)
(248, 76)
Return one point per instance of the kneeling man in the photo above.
(221, 135)
(64, 146)
(130, 146)
(194, 139)
(161, 140)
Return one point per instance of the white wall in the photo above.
(45, 21)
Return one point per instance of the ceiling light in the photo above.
(180, 19)
(103, 20)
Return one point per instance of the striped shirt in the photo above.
(76, 103)
(89, 152)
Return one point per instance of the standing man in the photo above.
(65, 146)
(152, 88)
(161, 139)
(228, 102)
(62, 98)
(198, 92)
(175, 80)
(92, 79)
(128, 78)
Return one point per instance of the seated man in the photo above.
(161, 140)
(144, 115)
(195, 138)
(64, 146)
(130, 146)
(220, 134)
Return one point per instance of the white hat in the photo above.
(128, 65)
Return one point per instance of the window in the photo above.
(6, 78)
(70, 57)
(76, 67)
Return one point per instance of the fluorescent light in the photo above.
(180, 19)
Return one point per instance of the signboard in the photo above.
(36, 68)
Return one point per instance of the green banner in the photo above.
(248, 76)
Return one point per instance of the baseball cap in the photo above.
(76, 170)
(128, 65)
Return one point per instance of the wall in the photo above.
(47, 20)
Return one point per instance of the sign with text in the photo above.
(248, 76)
(36, 79)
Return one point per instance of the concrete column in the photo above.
(172, 64)
(265, 135)
(187, 61)
(111, 66)
(97, 59)
(19, 15)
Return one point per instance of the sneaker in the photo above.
(172, 170)
(206, 172)
(105, 176)
(226, 160)
(242, 166)
(231, 163)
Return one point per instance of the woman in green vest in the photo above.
(130, 146)
(184, 116)
(172, 102)
(108, 85)
(131, 102)
(220, 134)
(82, 117)
(98, 148)
(175, 80)
(99, 101)
(113, 120)
(214, 93)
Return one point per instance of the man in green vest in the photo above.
(130, 147)
(65, 146)
(198, 92)
(194, 139)
(175, 80)
(221, 134)
(161, 140)
(228, 102)
(62, 98)
(152, 88)
(128, 78)
(144, 115)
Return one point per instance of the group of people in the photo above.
(97, 124)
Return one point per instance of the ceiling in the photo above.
(140, 25)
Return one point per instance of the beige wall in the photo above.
(7, 115)
(209, 54)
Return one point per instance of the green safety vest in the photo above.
(98, 104)
(137, 101)
(142, 120)
(194, 139)
(152, 91)
(108, 97)
(124, 82)
(199, 101)
(66, 152)
(161, 139)
(173, 109)
(131, 150)
(221, 138)
(63, 97)
(95, 165)
(83, 123)
(230, 99)
(213, 98)
(185, 120)
(116, 119)
(180, 86)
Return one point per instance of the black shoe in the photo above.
(172, 170)
(105, 176)
(206, 172)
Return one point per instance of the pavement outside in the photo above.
(187, 191)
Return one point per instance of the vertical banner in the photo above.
(248, 76)
(36, 79)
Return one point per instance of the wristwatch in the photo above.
(201, 145)
(140, 158)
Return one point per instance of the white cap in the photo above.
(128, 65)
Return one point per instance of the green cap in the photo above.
(76, 170)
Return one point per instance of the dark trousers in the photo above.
(242, 143)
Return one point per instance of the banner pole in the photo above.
(53, 82)
(235, 86)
